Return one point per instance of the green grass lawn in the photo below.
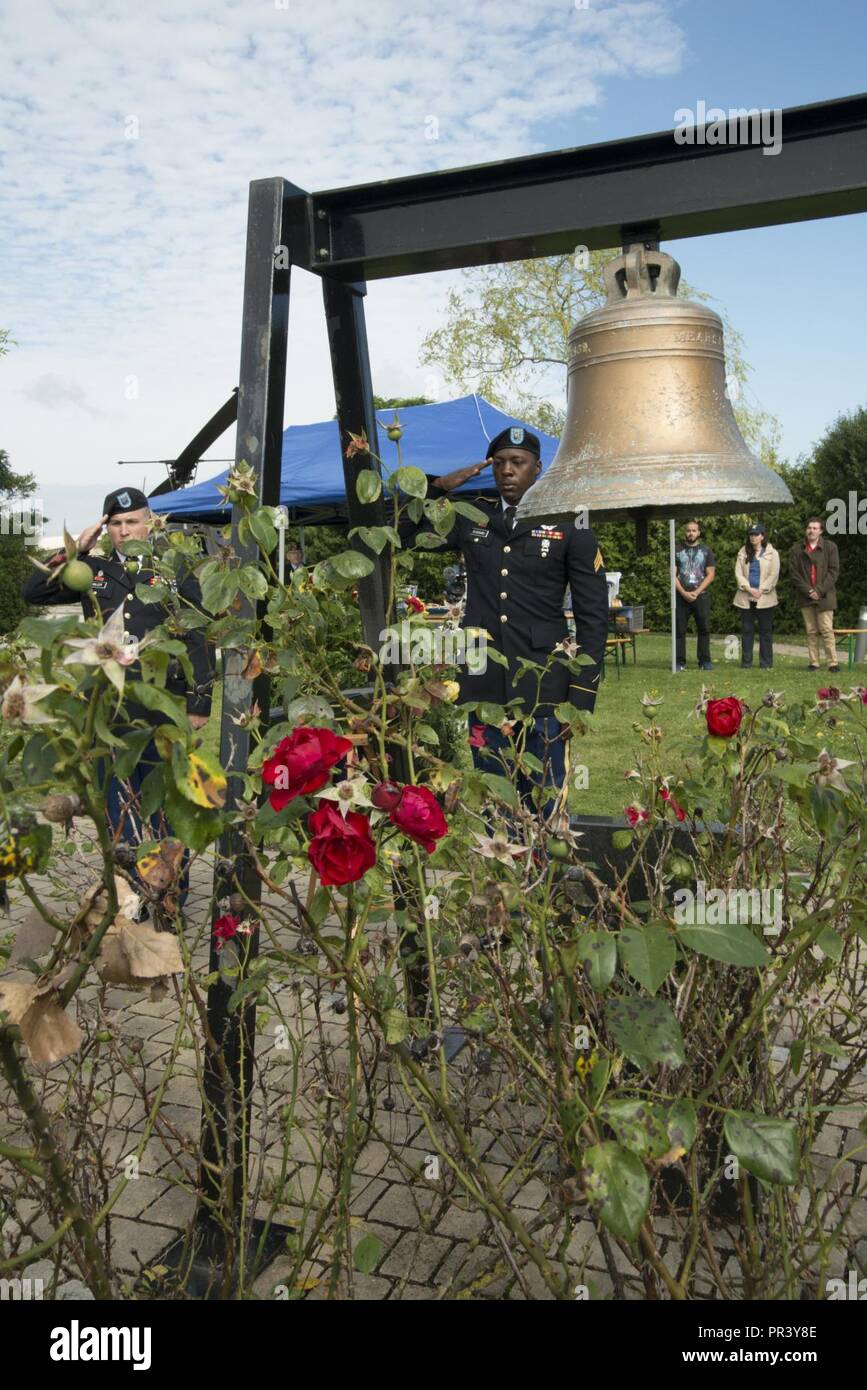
(610, 747)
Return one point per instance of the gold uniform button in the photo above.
(504, 595)
(503, 618)
(507, 550)
(504, 572)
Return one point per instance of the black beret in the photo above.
(124, 499)
(515, 438)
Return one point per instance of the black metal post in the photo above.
(353, 391)
(228, 1068)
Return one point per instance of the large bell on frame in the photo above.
(650, 429)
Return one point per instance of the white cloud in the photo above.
(132, 135)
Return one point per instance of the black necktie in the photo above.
(510, 517)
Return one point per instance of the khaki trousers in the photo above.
(819, 627)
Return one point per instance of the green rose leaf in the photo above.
(366, 1254)
(639, 1126)
(647, 1031)
(598, 951)
(648, 954)
(501, 788)
(396, 1026)
(621, 839)
(263, 531)
(351, 564)
(830, 944)
(368, 486)
(682, 1124)
(192, 824)
(376, 537)
(617, 1187)
(411, 481)
(767, 1148)
(158, 702)
(729, 942)
(135, 744)
(473, 514)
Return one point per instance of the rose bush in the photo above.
(655, 1053)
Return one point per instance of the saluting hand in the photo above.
(450, 481)
(90, 535)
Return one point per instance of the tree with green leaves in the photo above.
(14, 562)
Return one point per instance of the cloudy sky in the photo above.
(129, 134)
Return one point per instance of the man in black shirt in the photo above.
(694, 572)
(116, 580)
(517, 573)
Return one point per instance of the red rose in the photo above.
(224, 929)
(419, 815)
(861, 691)
(634, 814)
(477, 736)
(667, 796)
(301, 763)
(829, 692)
(724, 717)
(341, 850)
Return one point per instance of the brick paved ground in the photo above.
(432, 1247)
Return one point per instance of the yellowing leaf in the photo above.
(160, 867)
(200, 779)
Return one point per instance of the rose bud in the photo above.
(386, 795)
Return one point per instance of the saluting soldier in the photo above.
(127, 516)
(517, 574)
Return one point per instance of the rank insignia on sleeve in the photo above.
(598, 562)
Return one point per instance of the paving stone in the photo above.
(138, 1194)
(174, 1207)
(415, 1257)
(365, 1192)
(135, 1245)
(461, 1224)
(463, 1267)
(828, 1141)
(373, 1159)
(402, 1206)
(855, 1146)
(532, 1195)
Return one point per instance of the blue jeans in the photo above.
(542, 741)
(122, 810)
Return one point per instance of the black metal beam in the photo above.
(353, 392)
(546, 204)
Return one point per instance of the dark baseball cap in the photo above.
(515, 437)
(124, 499)
(756, 529)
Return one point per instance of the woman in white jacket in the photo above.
(757, 569)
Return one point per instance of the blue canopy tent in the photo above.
(436, 438)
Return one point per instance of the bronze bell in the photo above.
(650, 430)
